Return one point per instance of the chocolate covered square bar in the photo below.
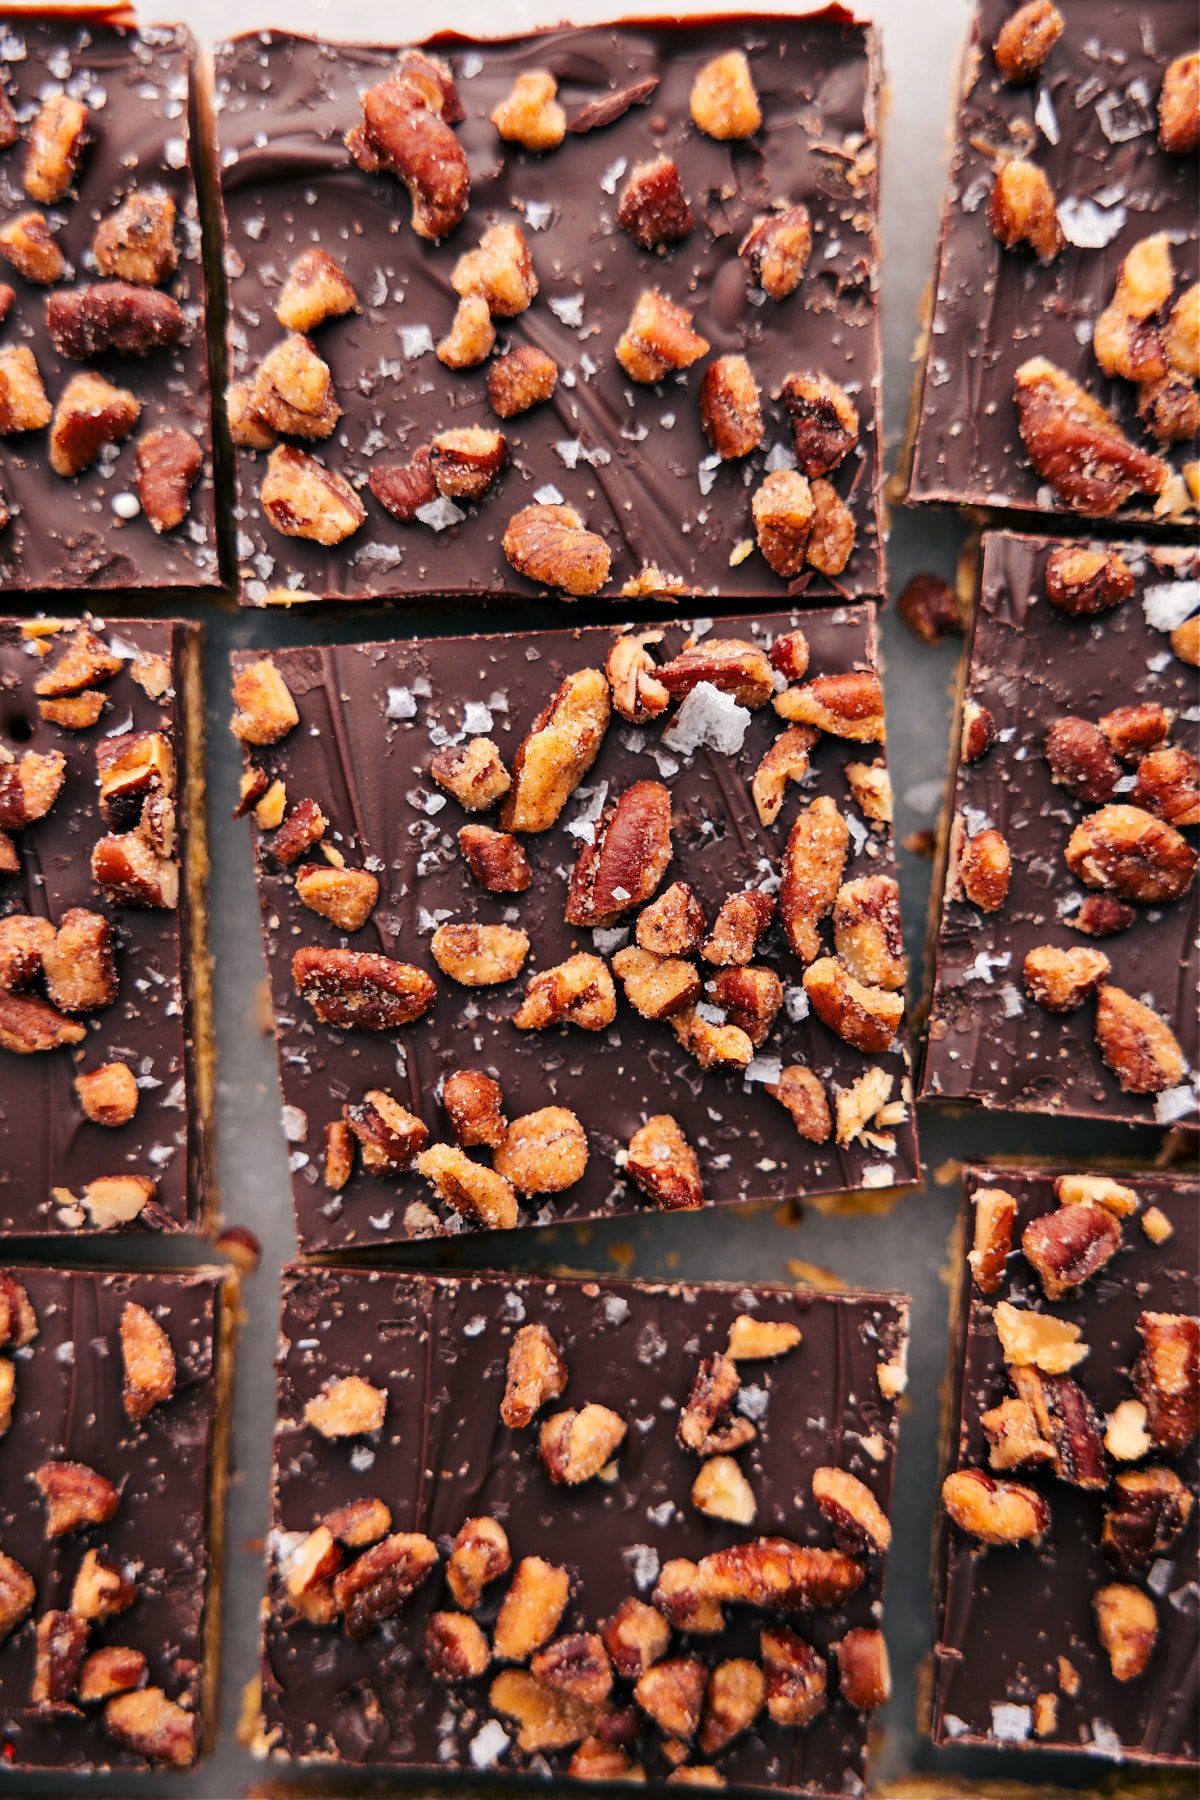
(586, 1530)
(1066, 957)
(564, 925)
(1067, 1567)
(106, 1053)
(584, 312)
(113, 1417)
(106, 449)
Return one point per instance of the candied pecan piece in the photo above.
(466, 464)
(1168, 785)
(866, 930)
(531, 1609)
(1127, 1626)
(17, 1595)
(148, 1362)
(473, 772)
(863, 1672)
(813, 863)
(31, 247)
(316, 289)
(859, 1523)
(1126, 851)
(656, 986)
(477, 1193)
(480, 1554)
(18, 1321)
(776, 1573)
(114, 1669)
(978, 732)
(636, 1637)
(378, 1584)
(303, 827)
(76, 712)
(359, 1523)
(310, 1572)
(577, 1665)
(730, 407)
(10, 131)
(355, 990)
(663, 1164)
(995, 1215)
(740, 923)
(346, 897)
(1169, 408)
(786, 761)
(637, 693)
(658, 337)
(302, 498)
(390, 1136)
(1062, 980)
(723, 102)
(795, 1677)
(1125, 342)
(871, 787)
(245, 426)
(1138, 1046)
(265, 710)
(734, 665)
(980, 867)
(474, 1105)
(1022, 209)
(576, 992)
(116, 316)
(800, 1090)
(543, 1152)
(293, 392)
(1166, 1377)
(114, 1200)
(1026, 39)
(153, 1727)
(455, 1647)
(349, 1407)
(672, 925)
(1080, 580)
(680, 1597)
(536, 1373)
(1146, 1514)
(1065, 1423)
(1096, 1190)
(1100, 916)
(1013, 1437)
(783, 511)
(29, 787)
(713, 1046)
(75, 1497)
(520, 379)
(59, 1648)
(57, 140)
(406, 127)
(750, 999)
(823, 419)
(652, 207)
(1179, 106)
(758, 1340)
(545, 1719)
(1067, 1247)
(776, 249)
(479, 955)
(931, 608)
(864, 1016)
(626, 859)
(1181, 334)
(790, 655)
(671, 1693)
(132, 769)
(404, 488)
(495, 859)
(1080, 759)
(552, 546)
(530, 115)
(995, 1512)
(90, 414)
(1077, 447)
(499, 270)
(471, 335)
(137, 242)
(101, 1590)
(557, 752)
(168, 464)
(339, 1154)
(721, 1491)
(834, 533)
(707, 1424)
(23, 402)
(79, 963)
(575, 1446)
(849, 705)
(23, 941)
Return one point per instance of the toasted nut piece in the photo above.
(980, 867)
(577, 1665)
(978, 732)
(531, 1609)
(391, 1137)
(863, 1672)
(595, 1760)
(575, 1446)
(1013, 1437)
(1022, 209)
(845, 706)
(479, 955)
(995, 1512)
(1026, 39)
(1181, 340)
(137, 242)
(637, 693)
(23, 941)
(1067, 1247)
(113, 1200)
(133, 769)
(466, 464)
(359, 1523)
(931, 608)
(302, 498)
(672, 1694)
(23, 402)
(776, 1573)
(470, 338)
(776, 250)
(867, 933)
(800, 1090)
(713, 1046)
(627, 857)
(790, 655)
(1147, 1513)
(672, 925)
(1166, 1378)
(10, 862)
(79, 965)
(28, 1026)
(378, 1584)
(756, 1340)
(1100, 916)
(858, 1104)
(795, 1677)
(101, 1590)
(348, 1407)
(90, 413)
(663, 1164)
(495, 859)
(316, 289)
(1067, 1423)
(31, 247)
(731, 408)
(153, 1727)
(148, 1361)
(18, 1321)
(406, 128)
(303, 827)
(245, 426)
(1080, 580)
(266, 711)
(1127, 1626)
(404, 488)
(477, 1193)
(995, 1215)
(577, 992)
(1124, 342)
(724, 104)
(339, 1154)
(653, 208)
(1077, 447)
(522, 378)
(113, 316)
(475, 1107)
(1037, 1340)
(1168, 785)
(17, 1595)
(721, 1491)
(75, 1497)
(680, 1597)
(658, 337)
(1080, 759)
(1169, 408)
(813, 862)
(867, 1017)
(733, 1700)
(1132, 731)
(636, 1637)
(750, 999)
(354, 990)
(734, 665)
(168, 464)
(707, 1425)
(543, 1152)
(346, 897)
(499, 271)
(530, 115)
(474, 773)
(786, 761)
(824, 422)
(59, 1649)
(1139, 1047)
(480, 1554)
(550, 545)
(310, 1572)
(536, 1373)
(557, 753)
(859, 1522)
(455, 1647)
(85, 662)
(1061, 980)
(1179, 106)
(8, 1394)
(57, 140)
(545, 1718)
(1096, 1190)
(114, 1669)
(1125, 1437)
(783, 513)
(834, 532)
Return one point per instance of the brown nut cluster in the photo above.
(1077, 447)
(652, 207)
(626, 859)
(29, 245)
(531, 115)
(499, 271)
(406, 127)
(658, 338)
(57, 140)
(1022, 209)
(90, 413)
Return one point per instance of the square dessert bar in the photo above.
(565, 925)
(581, 1529)
(106, 449)
(106, 1053)
(587, 311)
(113, 1413)
(1067, 1565)
(1060, 358)
(1065, 976)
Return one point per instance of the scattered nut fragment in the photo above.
(707, 1424)
(735, 666)
(1081, 760)
(24, 405)
(1065, 1427)
(480, 1554)
(560, 748)
(474, 773)
(978, 732)
(1022, 209)
(536, 1373)
(310, 1572)
(575, 1446)
(1077, 447)
(1037, 1340)
(834, 532)
(168, 465)
(265, 710)
(28, 1027)
(113, 1669)
(995, 1215)
(346, 897)
(75, 1497)
(478, 1193)
(750, 1000)
(339, 1154)
(595, 1760)
(721, 1491)
(355, 990)
(302, 498)
(1179, 106)
(57, 139)
(113, 1200)
(113, 316)
(390, 1137)
(79, 963)
(931, 608)
(18, 1320)
(864, 1016)
(1127, 1626)
(245, 426)
(406, 127)
(577, 992)
(576, 1665)
(863, 1671)
(551, 545)
(1098, 915)
(479, 955)
(1169, 408)
(1081, 580)
(1139, 1047)
(1067, 1247)
(474, 1106)
(761, 1340)
(1156, 1225)
(859, 1104)
(871, 788)
(849, 705)
(378, 1584)
(31, 247)
(776, 249)
(1166, 1378)
(137, 242)
(148, 1362)
(656, 986)
(455, 1647)
(867, 934)
(733, 1700)
(1168, 785)
(783, 512)
(359, 1523)
(672, 925)
(1147, 1512)
(637, 692)
(995, 1512)
(1126, 1438)
(859, 1523)
(800, 1090)
(824, 422)
(543, 1152)
(1185, 641)
(17, 1595)
(672, 1694)
(663, 1164)
(730, 407)
(496, 859)
(296, 834)
(348, 1407)
(778, 1574)
(795, 1677)
(520, 379)
(101, 1590)
(1062, 980)
(813, 863)
(658, 338)
(1133, 731)
(499, 270)
(652, 207)
(468, 342)
(723, 102)
(1026, 39)
(713, 1046)
(153, 1727)
(680, 1597)
(23, 940)
(636, 1637)
(531, 1609)
(545, 1719)
(530, 115)
(316, 289)
(785, 762)
(90, 414)
(623, 863)
(981, 866)
(467, 463)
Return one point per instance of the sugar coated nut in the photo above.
(995, 1512)
(543, 1152)
(348, 1407)
(478, 1193)
(663, 1164)
(724, 104)
(536, 1373)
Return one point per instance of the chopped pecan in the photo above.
(347, 1407)
(474, 1105)
(531, 1609)
(303, 827)
(8, 1394)
(339, 1154)
(995, 1215)
(656, 986)
(577, 992)
(723, 103)
(23, 402)
(776, 1573)
(467, 463)
(1077, 447)
(265, 710)
(1179, 106)
(17, 1595)
(1126, 851)
(1080, 759)
(733, 665)
(931, 608)
(795, 1677)
(543, 1152)
(1169, 408)
(75, 1497)
(480, 1554)
(168, 464)
(859, 1523)
(101, 1590)
(355, 990)
(310, 1572)
(536, 1373)
(75, 712)
(131, 872)
(1166, 1377)
(627, 857)
(293, 391)
(871, 786)
(115, 316)
(859, 1103)
(1037, 1340)
(59, 1648)
(707, 1424)
(1066, 1423)
(864, 1016)
(113, 1200)
(721, 1491)
(57, 139)
(658, 337)
(978, 732)
(866, 930)
(1125, 341)
(849, 705)
(346, 897)
(1096, 1190)
(545, 1718)
(316, 289)
(672, 925)
(832, 537)
(113, 1669)
(1083, 580)
(1067, 1247)
(713, 1046)
(652, 207)
(530, 115)
(474, 773)
(786, 761)
(680, 1597)
(664, 1165)
(455, 1647)
(1168, 785)
(1139, 1047)
(245, 426)
(824, 421)
(577, 1665)
(1014, 1439)
(551, 545)
(783, 512)
(499, 271)
(520, 379)
(153, 1727)
(1133, 731)
(636, 1637)
(359, 1523)
(863, 1672)
(28, 1026)
(813, 862)
(980, 866)
(148, 1362)
(495, 858)
(23, 941)
(672, 1694)
(790, 655)
(1062, 980)
(1127, 1626)
(406, 127)
(137, 242)
(90, 414)
(637, 693)
(575, 1446)
(302, 498)
(468, 342)
(750, 998)
(391, 1137)
(31, 247)
(1026, 39)
(1022, 210)
(131, 769)
(378, 1584)
(758, 1340)
(479, 955)
(995, 1512)
(18, 1320)
(730, 407)
(1100, 916)
(1146, 1514)
(1181, 336)
(477, 1193)
(776, 249)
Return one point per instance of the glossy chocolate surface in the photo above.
(631, 459)
(69, 1407)
(1090, 121)
(137, 86)
(370, 718)
(439, 1348)
(46, 1142)
(1007, 1614)
(989, 1043)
